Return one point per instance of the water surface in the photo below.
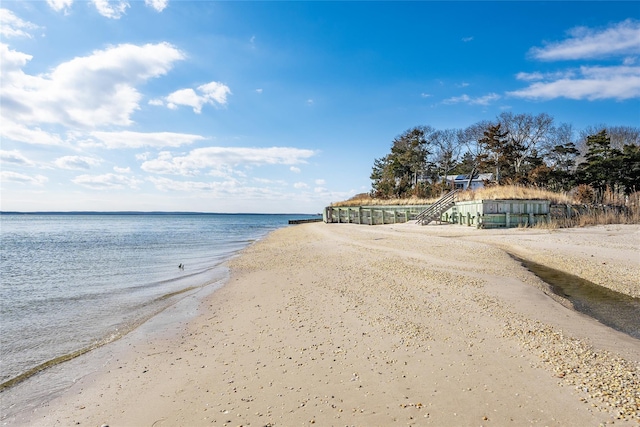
(616, 310)
(70, 283)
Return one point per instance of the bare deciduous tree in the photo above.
(526, 134)
(446, 150)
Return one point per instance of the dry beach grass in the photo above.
(388, 325)
(496, 192)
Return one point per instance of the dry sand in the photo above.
(336, 324)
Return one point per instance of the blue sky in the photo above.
(280, 107)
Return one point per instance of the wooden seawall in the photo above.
(477, 213)
(304, 221)
(372, 215)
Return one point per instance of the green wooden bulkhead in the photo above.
(477, 213)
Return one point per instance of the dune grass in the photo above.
(496, 192)
(366, 200)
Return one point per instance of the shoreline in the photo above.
(85, 364)
(343, 324)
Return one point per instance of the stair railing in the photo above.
(436, 209)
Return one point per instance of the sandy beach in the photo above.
(347, 325)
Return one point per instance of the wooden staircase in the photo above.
(436, 210)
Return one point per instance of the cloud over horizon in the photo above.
(76, 162)
(130, 139)
(10, 176)
(221, 161)
(15, 157)
(109, 181)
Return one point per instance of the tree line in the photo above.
(521, 149)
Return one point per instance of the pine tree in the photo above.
(600, 168)
(499, 153)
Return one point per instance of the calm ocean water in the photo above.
(74, 282)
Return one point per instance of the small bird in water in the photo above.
(181, 266)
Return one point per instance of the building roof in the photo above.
(478, 177)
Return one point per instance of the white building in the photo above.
(461, 182)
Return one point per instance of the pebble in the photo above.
(602, 380)
(614, 382)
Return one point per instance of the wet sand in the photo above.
(337, 324)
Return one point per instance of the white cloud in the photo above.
(128, 139)
(15, 132)
(158, 5)
(466, 99)
(111, 9)
(76, 162)
(107, 181)
(590, 83)
(211, 93)
(226, 189)
(536, 76)
(295, 169)
(530, 76)
(156, 102)
(121, 170)
(278, 182)
(486, 100)
(467, 39)
(223, 159)
(425, 95)
(185, 97)
(11, 61)
(259, 90)
(59, 5)
(319, 181)
(215, 91)
(89, 91)
(457, 99)
(585, 43)
(300, 185)
(229, 187)
(15, 157)
(309, 101)
(7, 176)
(12, 26)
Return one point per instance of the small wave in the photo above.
(111, 337)
(56, 361)
(172, 294)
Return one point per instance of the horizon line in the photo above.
(142, 213)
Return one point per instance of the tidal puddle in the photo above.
(616, 310)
